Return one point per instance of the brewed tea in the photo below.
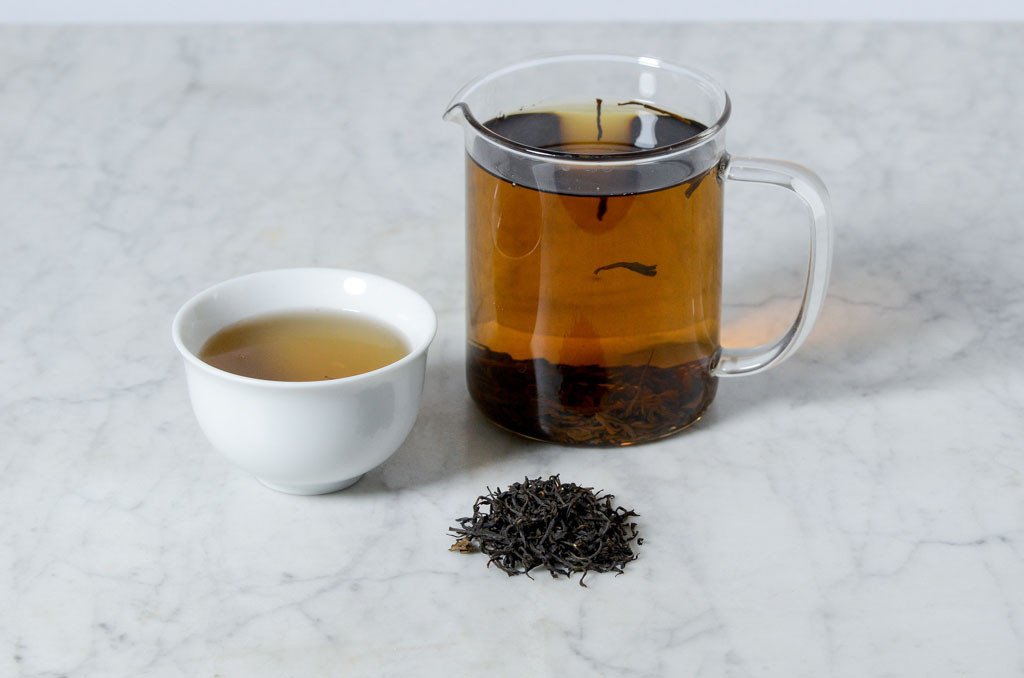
(304, 346)
(593, 289)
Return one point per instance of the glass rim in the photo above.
(459, 102)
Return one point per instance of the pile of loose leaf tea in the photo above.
(547, 523)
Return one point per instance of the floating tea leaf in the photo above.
(649, 270)
(560, 526)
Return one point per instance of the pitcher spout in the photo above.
(456, 112)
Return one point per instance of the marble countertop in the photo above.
(858, 511)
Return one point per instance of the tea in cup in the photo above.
(307, 377)
(595, 187)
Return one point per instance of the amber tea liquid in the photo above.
(304, 346)
(594, 295)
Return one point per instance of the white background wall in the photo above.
(495, 10)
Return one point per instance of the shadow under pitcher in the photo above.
(594, 188)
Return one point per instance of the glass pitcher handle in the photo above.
(806, 184)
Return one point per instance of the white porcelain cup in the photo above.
(309, 437)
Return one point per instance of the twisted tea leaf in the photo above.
(562, 527)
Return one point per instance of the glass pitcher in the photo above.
(594, 189)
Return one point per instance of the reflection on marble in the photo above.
(859, 511)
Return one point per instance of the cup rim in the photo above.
(191, 358)
(459, 102)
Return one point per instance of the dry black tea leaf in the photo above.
(562, 527)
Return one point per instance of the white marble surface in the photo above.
(857, 512)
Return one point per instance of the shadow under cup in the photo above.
(307, 437)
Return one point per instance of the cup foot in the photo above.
(311, 488)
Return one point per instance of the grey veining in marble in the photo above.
(858, 511)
